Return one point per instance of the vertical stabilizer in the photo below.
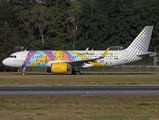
(141, 43)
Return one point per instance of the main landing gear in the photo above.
(75, 72)
(23, 73)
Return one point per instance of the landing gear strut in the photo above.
(75, 72)
(24, 71)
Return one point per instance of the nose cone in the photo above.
(5, 62)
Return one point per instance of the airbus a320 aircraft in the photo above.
(58, 62)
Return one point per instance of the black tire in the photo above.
(73, 72)
(78, 72)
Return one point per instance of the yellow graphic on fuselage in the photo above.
(80, 55)
(57, 55)
(60, 56)
(63, 56)
(42, 58)
(97, 64)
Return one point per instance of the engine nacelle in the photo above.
(58, 68)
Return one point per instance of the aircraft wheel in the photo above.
(73, 72)
(77, 72)
(23, 73)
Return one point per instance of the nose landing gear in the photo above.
(23, 73)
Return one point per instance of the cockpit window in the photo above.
(12, 56)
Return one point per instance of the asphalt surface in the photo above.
(79, 90)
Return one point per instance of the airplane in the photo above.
(59, 62)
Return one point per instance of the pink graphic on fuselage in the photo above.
(50, 55)
(69, 57)
(28, 57)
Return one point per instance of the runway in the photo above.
(79, 90)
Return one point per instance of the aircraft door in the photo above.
(23, 56)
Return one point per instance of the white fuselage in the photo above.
(45, 58)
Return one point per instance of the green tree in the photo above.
(7, 42)
(73, 24)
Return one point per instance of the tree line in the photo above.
(74, 24)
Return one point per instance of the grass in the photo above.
(12, 79)
(78, 107)
(88, 107)
(144, 103)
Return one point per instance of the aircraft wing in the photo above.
(87, 60)
(80, 61)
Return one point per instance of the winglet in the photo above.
(105, 53)
(87, 49)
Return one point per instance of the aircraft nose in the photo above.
(5, 62)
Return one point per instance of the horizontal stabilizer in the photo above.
(151, 54)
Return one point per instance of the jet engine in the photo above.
(57, 68)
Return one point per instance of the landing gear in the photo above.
(75, 72)
(24, 71)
